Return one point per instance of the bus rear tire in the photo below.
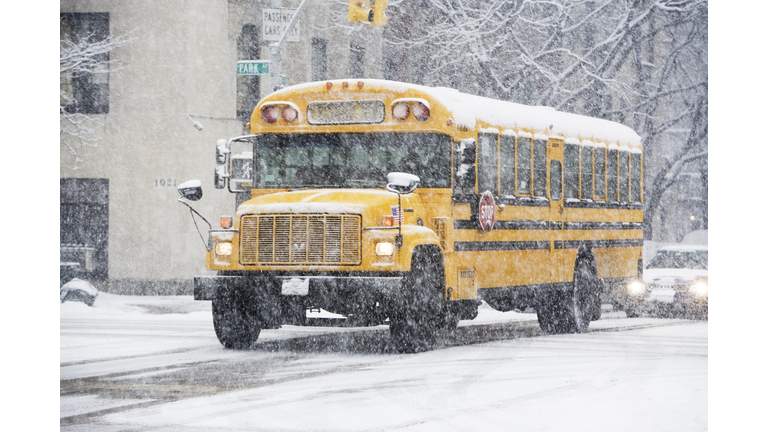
(583, 298)
(418, 312)
(234, 318)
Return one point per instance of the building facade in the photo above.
(155, 111)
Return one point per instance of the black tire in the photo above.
(419, 312)
(234, 318)
(545, 313)
(584, 297)
(631, 312)
(572, 310)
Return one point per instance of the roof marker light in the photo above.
(328, 85)
(290, 114)
(360, 84)
(345, 84)
(401, 111)
(270, 113)
(420, 111)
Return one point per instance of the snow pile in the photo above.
(467, 110)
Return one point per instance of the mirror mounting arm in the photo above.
(210, 227)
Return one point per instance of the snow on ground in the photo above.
(651, 377)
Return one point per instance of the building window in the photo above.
(319, 59)
(356, 61)
(86, 92)
(84, 213)
(248, 86)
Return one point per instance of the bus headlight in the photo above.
(224, 249)
(636, 288)
(385, 249)
(700, 288)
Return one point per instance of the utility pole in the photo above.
(276, 49)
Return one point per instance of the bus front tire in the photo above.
(234, 318)
(418, 312)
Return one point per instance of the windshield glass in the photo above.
(671, 259)
(351, 159)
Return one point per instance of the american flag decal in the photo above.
(397, 212)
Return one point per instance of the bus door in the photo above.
(556, 211)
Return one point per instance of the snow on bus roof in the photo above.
(467, 110)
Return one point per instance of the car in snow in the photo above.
(675, 284)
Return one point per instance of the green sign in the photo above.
(253, 67)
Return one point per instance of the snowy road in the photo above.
(153, 363)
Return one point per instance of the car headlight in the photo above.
(700, 288)
(636, 288)
(385, 249)
(224, 248)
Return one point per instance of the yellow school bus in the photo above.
(399, 203)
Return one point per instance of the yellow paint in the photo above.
(487, 269)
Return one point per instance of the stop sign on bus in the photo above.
(486, 211)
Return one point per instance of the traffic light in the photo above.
(379, 19)
(360, 11)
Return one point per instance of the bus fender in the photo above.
(413, 237)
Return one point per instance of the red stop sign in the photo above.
(486, 211)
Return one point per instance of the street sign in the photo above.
(253, 67)
(274, 22)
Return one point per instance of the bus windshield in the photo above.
(360, 160)
(672, 259)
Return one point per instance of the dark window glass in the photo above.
(586, 172)
(507, 159)
(523, 166)
(356, 61)
(571, 159)
(86, 92)
(613, 170)
(248, 86)
(487, 163)
(624, 176)
(599, 173)
(672, 259)
(555, 180)
(84, 221)
(351, 159)
(319, 59)
(637, 177)
(540, 168)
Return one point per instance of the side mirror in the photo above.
(221, 173)
(191, 190)
(465, 172)
(402, 183)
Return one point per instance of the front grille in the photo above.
(300, 239)
(676, 287)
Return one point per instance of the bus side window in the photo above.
(613, 170)
(540, 168)
(555, 180)
(571, 159)
(636, 175)
(599, 173)
(624, 176)
(507, 159)
(487, 163)
(586, 172)
(523, 166)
